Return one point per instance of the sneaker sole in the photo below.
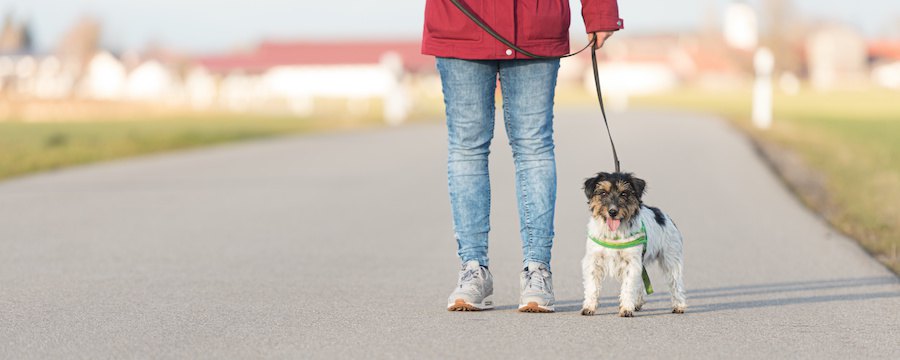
(462, 305)
(533, 307)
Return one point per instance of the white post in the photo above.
(396, 100)
(764, 62)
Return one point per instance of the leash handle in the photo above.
(593, 41)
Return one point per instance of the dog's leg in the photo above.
(639, 303)
(592, 270)
(671, 264)
(631, 285)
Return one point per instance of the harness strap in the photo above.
(648, 287)
(618, 246)
(642, 240)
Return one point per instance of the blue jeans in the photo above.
(528, 88)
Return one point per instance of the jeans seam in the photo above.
(526, 203)
(528, 228)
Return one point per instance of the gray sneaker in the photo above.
(537, 289)
(473, 290)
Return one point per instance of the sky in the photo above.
(205, 26)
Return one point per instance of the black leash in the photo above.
(593, 41)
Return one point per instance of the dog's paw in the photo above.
(625, 313)
(588, 312)
(679, 309)
(638, 307)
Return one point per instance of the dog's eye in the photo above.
(603, 193)
(624, 194)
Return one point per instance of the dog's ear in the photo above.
(591, 183)
(638, 185)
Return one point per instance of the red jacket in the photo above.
(539, 26)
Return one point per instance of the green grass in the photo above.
(31, 147)
(852, 138)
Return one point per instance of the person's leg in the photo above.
(528, 88)
(469, 88)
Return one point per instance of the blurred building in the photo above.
(836, 56)
(52, 80)
(884, 56)
(200, 89)
(151, 81)
(104, 78)
(389, 77)
(637, 65)
(293, 75)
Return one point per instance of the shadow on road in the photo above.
(774, 289)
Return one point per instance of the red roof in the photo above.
(888, 49)
(269, 54)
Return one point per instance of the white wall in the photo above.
(105, 78)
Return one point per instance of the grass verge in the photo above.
(30, 147)
(848, 142)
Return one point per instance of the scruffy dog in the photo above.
(619, 223)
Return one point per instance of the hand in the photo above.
(601, 38)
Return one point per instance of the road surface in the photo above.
(340, 246)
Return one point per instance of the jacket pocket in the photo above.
(444, 21)
(545, 19)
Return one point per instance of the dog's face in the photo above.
(614, 197)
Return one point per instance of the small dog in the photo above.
(619, 216)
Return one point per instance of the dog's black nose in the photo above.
(613, 212)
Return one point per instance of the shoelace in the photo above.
(536, 280)
(468, 275)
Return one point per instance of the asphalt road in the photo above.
(340, 246)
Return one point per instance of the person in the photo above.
(469, 61)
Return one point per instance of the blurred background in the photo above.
(81, 60)
(89, 80)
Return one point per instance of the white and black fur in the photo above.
(617, 212)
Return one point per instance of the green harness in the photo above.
(641, 240)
